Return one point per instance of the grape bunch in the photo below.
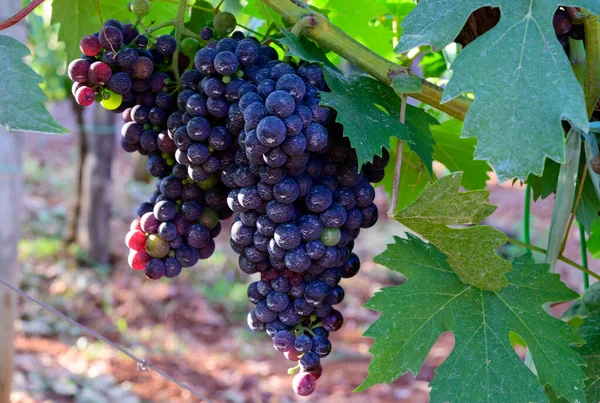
(299, 196)
(177, 227)
(240, 132)
(565, 27)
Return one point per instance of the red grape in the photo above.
(78, 70)
(89, 45)
(135, 240)
(137, 259)
(149, 223)
(304, 384)
(85, 96)
(99, 73)
(135, 224)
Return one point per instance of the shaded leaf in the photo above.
(457, 154)
(470, 250)
(21, 99)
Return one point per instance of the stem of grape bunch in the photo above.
(179, 29)
(9, 22)
(560, 257)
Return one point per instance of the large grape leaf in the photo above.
(584, 313)
(483, 366)
(520, 75)
(470, 250)
(590, 352)
(21, 99)
(77, 18)
(457, 154)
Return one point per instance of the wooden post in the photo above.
(11, 201)
(93, 234)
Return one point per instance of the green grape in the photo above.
(189, 47)
(330, 236)
(140, 8)
(225, 23)
(111, 100)
(209, 218)
(157, 247)
(209, 183)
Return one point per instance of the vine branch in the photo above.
(9, 22)
(574, 211)
(398, 167)
(592, 47)
(332, 38)
(304, 22)
(560, 257)
(179, 28)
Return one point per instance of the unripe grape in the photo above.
(224, 23)
(157, 247)
(595, 164)
(140, 8)
(113, 101)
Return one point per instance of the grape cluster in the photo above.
(177, 226)
(299, 194)
(566, 28)
(242, 132)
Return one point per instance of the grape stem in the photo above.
(592, 47)
(332, 38)
(560, 257)
(193, 6)
(179, 29)
(577, 201)
(9, 22)
(155, 28)
(250, 30)
(398, 167)
(189, 33)
(304, 22)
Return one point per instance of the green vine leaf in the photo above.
(198, 18)
(470, 250)
(585, 306)
(590, 352)
(406, 84)
(522, 79)
(77, 18)
(21, 97)
(308, 50)
(358, 102)
(456, 154)
(483, 366)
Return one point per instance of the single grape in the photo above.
(224, 23)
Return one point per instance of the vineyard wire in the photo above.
(142, 364)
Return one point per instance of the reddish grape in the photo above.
(89, 45)
(85, 96)
(135, 240)
(292, 355)
(110, 38)
(78, 70)
(137, 259)
(149, 223)
(135, 224)
(304, 384)
(143, 68)
(317, 372)
(99, 73)
(562, 22)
